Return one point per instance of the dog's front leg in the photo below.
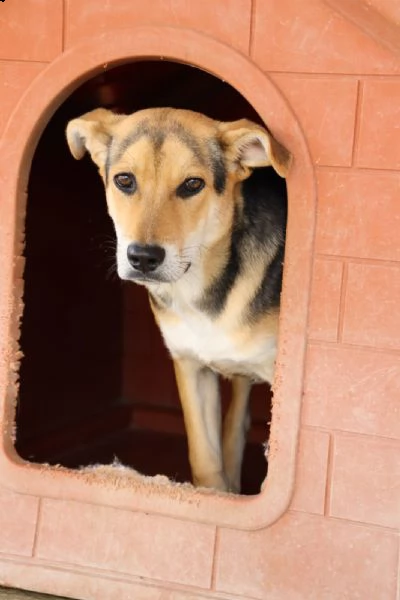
(236, 424)
(199, 394)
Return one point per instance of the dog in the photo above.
(199, 209)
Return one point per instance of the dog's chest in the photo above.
(194, 334)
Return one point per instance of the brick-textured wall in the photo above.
(339, 538)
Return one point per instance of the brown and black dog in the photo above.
(200, 222)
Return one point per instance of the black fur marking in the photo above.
(217, 162)
(141, 130)
(107, 163)
(265, 214)
(215, 297)
(264, 207)
(188, 139)
(158, 135)
(258, 230)
(268, 294)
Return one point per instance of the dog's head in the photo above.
(171, 179)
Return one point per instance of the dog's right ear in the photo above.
(92, 132)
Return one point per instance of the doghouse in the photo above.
(84, 377)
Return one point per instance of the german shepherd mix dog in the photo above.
(201, 224)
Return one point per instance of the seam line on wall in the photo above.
(335, 74)
(4, 61)
(342, 302)
(348, 346)
(37, 529)
(357, 123)
(329, 475)
(392, 531)
(383, 262)
(64, 25)
(398, 571)
(351, 434)
(355, 169)
(253, 9)
(115, 576)
(214, 566)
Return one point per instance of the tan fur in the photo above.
(199, 228)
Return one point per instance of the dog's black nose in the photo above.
(145, 258)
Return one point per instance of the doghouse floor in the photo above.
(154, 452)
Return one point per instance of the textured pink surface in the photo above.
(15, 77)
(288, 37)
(379, 125)
(325, 300)
(32, 34)
(312, 467)
(372, 319)
(307, 556)
(340, 537)
(353, 389)
(326, 108)
(18, 517)
(218, 20)
(366, 480)
(126, 542)
(358, 213)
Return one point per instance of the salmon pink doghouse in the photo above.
(94, 499)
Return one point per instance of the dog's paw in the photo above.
(216, 481)
(234, 487)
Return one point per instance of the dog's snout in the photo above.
(144, 257)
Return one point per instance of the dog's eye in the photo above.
(125, 182)
(190, 187)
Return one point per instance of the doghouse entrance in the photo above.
(96, 383)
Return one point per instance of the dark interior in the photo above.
(96, 382)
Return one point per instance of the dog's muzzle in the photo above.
(145, 258)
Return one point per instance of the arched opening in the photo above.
(89, 392)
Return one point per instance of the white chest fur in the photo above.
(193, 334)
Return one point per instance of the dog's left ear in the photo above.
(248, 145)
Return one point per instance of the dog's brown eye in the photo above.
(190, 187)
(125, 182)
